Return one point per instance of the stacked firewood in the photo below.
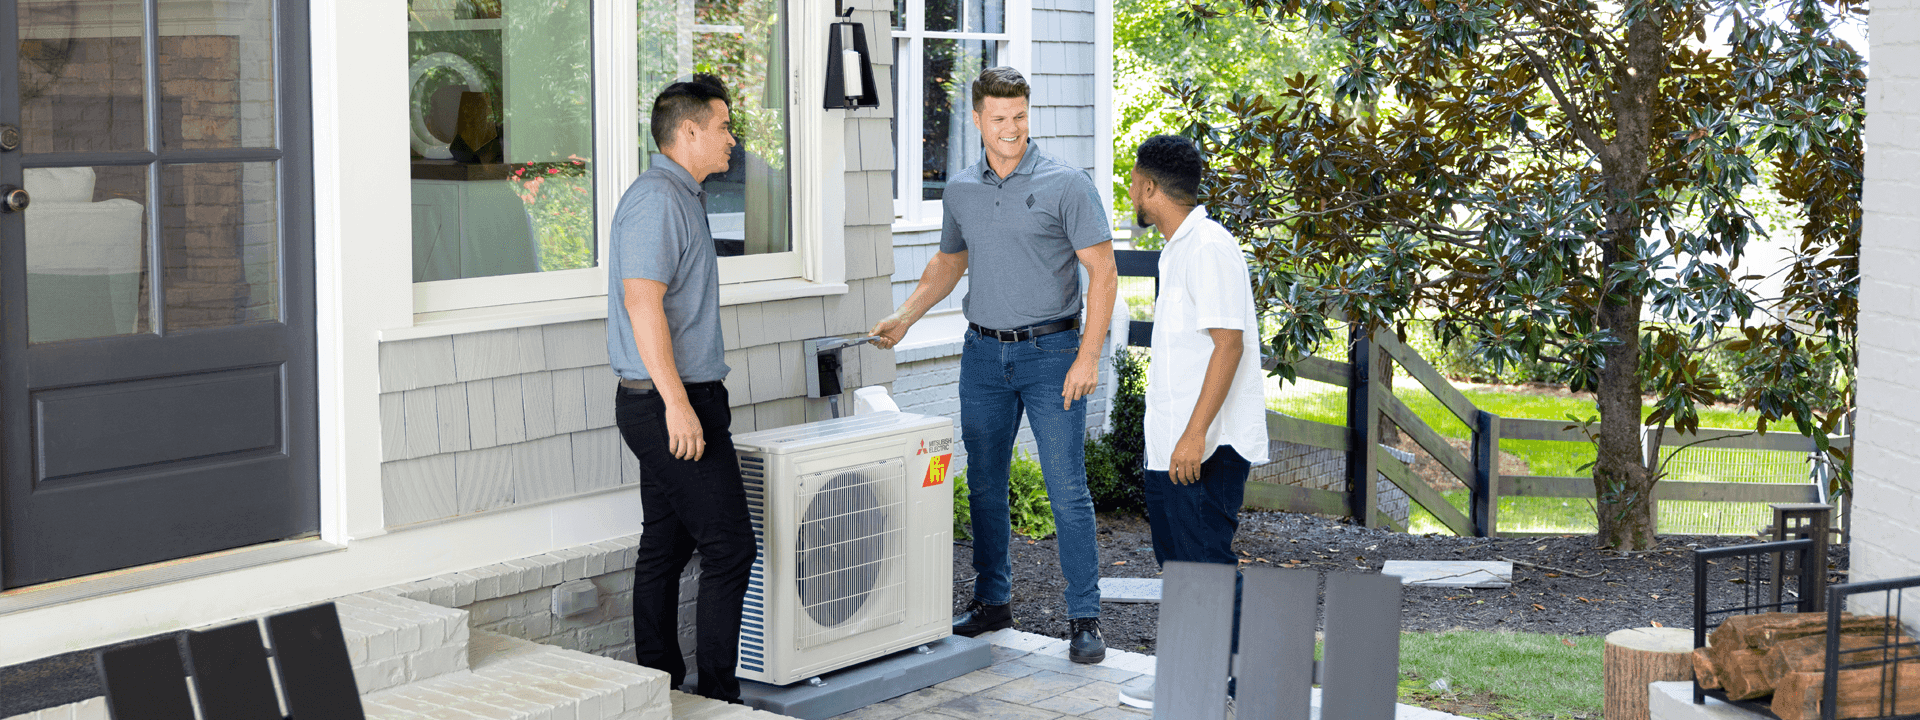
(1785, 654)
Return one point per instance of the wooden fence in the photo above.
(1369, 399)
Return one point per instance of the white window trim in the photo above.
(1015, 50)
(816, 265)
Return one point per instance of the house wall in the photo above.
(1886, 506)
(443, 450)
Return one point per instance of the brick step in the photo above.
(392, 640)
(509, 678)
(695, 707)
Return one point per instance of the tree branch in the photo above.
(1576, 120)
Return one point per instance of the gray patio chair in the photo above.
(148, 681)
(1359, 674)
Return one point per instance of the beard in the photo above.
(1140, 219)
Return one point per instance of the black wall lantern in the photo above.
(849, 66)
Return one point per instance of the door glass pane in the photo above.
(950, 141)
(977, 16)
(216, 73)
(220, 231)
(86, 252)
(502, 133)
(82, 83)
(739, 45)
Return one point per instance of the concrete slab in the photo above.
(1130, 590)
(1674, 701)
(1451, 573)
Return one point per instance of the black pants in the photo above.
(689, 505)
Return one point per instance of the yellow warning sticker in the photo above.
(936, 470)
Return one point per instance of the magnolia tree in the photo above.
(1569, 181)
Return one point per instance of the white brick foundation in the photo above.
(1886, 506)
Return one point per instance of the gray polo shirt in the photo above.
(660, 233)
(1020, 234)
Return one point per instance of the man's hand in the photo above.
(1082, 378)
(684, 437)
(1185, 468)
(892, 328)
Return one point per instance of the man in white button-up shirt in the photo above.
(1204, 430)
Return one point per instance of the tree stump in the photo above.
(1638, 656)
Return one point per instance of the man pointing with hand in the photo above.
(1021, 219)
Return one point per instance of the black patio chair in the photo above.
(148, 681)
(1359, 675)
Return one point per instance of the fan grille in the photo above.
(851, 544)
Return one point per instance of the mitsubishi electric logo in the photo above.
(939, 446)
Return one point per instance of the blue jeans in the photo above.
(998, 382)
(1195, 522)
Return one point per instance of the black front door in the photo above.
(156, 282)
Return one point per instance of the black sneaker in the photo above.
(980, 617)
(1085, 644)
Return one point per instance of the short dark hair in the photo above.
(1174, 163)
(1000, 82)
(686, 100)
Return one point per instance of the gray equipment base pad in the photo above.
(877, 680)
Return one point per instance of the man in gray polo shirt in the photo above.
(663, 339)
(1020, 218)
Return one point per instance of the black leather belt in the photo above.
(645, 387)
(1027, 333)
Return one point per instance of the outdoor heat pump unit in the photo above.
(853, 518)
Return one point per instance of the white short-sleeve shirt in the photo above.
(1204, 285)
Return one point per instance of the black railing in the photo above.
(1894, 648)
(1810, 589)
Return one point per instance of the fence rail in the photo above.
(1368, 400)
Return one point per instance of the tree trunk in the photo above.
(1623, 488)
(1622, 484)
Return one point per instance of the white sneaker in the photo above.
(1138, 693)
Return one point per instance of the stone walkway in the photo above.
(1032, 679)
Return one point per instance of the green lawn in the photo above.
(1326, 403)
(1503, 674)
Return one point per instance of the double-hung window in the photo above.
(529, 118)
(940, 47)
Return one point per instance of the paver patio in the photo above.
(1032, 679)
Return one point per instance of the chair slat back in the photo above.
(311, 653)
(1362, 648)
(145, 681)
(1196, 629)
(1275, 674)
(230, 674)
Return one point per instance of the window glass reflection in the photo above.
(739, 45)
(501, 128)
(86, 237)
(949, 140)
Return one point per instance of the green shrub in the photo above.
(1114, 460)
(1032, 510)
(1027, 501)
(962, 508)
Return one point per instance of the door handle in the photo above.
(13, 199)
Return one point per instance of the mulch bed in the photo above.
(1638, 590)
